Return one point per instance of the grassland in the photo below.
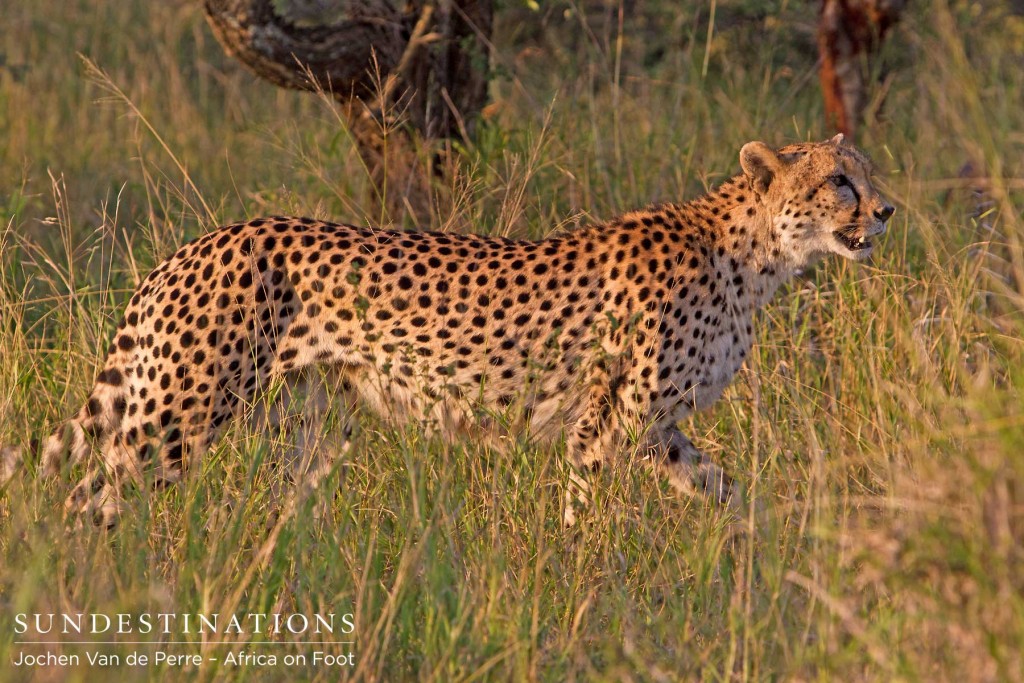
(879, 424)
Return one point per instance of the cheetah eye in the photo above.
(840, 180)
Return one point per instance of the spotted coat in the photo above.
(606, 336)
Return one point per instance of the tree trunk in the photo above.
(847, 30)
(421, 65)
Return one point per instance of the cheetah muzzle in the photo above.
(594, 336)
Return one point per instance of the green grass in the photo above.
(878, 424)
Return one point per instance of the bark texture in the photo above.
(407, 75)
(848, 31)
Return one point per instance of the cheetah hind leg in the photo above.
(692, 473)
(95, 498)
(311, 422)
(98, 496)
(577, 493)
(594, 436)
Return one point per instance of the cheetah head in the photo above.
(819, 197)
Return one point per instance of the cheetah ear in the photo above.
(760, 163)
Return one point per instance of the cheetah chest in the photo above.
(724, 350)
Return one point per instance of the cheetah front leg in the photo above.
(612, 418)
(691, 472)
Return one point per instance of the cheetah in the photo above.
(605, 336)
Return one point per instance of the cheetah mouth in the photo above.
(854, 244)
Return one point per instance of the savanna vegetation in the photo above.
(878, 427)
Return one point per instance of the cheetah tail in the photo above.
(10, 463)
(72, 441)
(67, 443)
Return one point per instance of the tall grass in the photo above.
(878, 424)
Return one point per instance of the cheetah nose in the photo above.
(885, 212)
